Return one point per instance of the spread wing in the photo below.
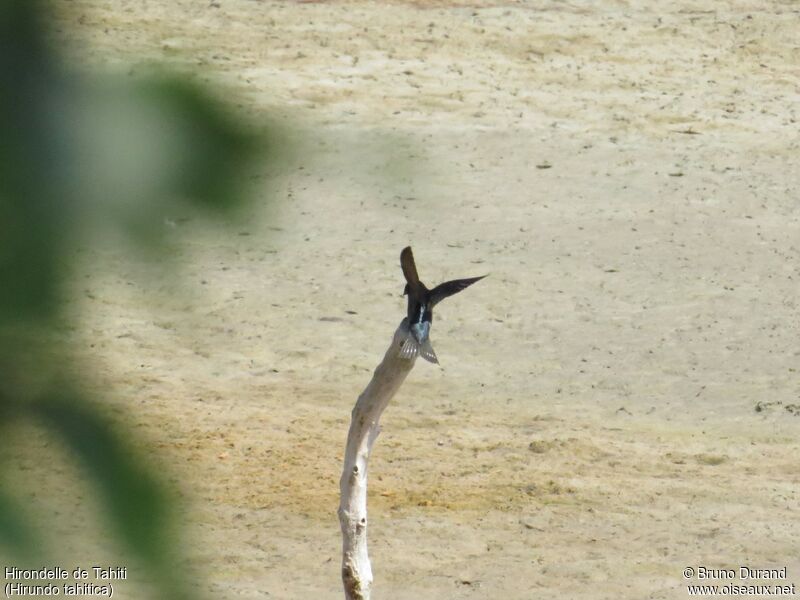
(448, 288)
(409, 268)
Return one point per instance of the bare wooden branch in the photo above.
(364, 429)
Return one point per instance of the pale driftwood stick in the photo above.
(364, 428)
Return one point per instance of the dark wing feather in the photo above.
(448, 288)
(409, 268)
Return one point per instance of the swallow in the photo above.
(421, 301)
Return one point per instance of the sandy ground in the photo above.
(619, 400)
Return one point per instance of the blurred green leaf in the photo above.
(79, 153)
(17, 533)
(136, 502)
(30, 232)
(144, 148)
(218, 147)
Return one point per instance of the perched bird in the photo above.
(421, 301)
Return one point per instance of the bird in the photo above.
(421, 301)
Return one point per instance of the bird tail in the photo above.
(412, 348)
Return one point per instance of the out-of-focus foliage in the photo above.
(17, 533)
(119, 153)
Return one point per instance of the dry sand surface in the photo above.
(617, 401)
